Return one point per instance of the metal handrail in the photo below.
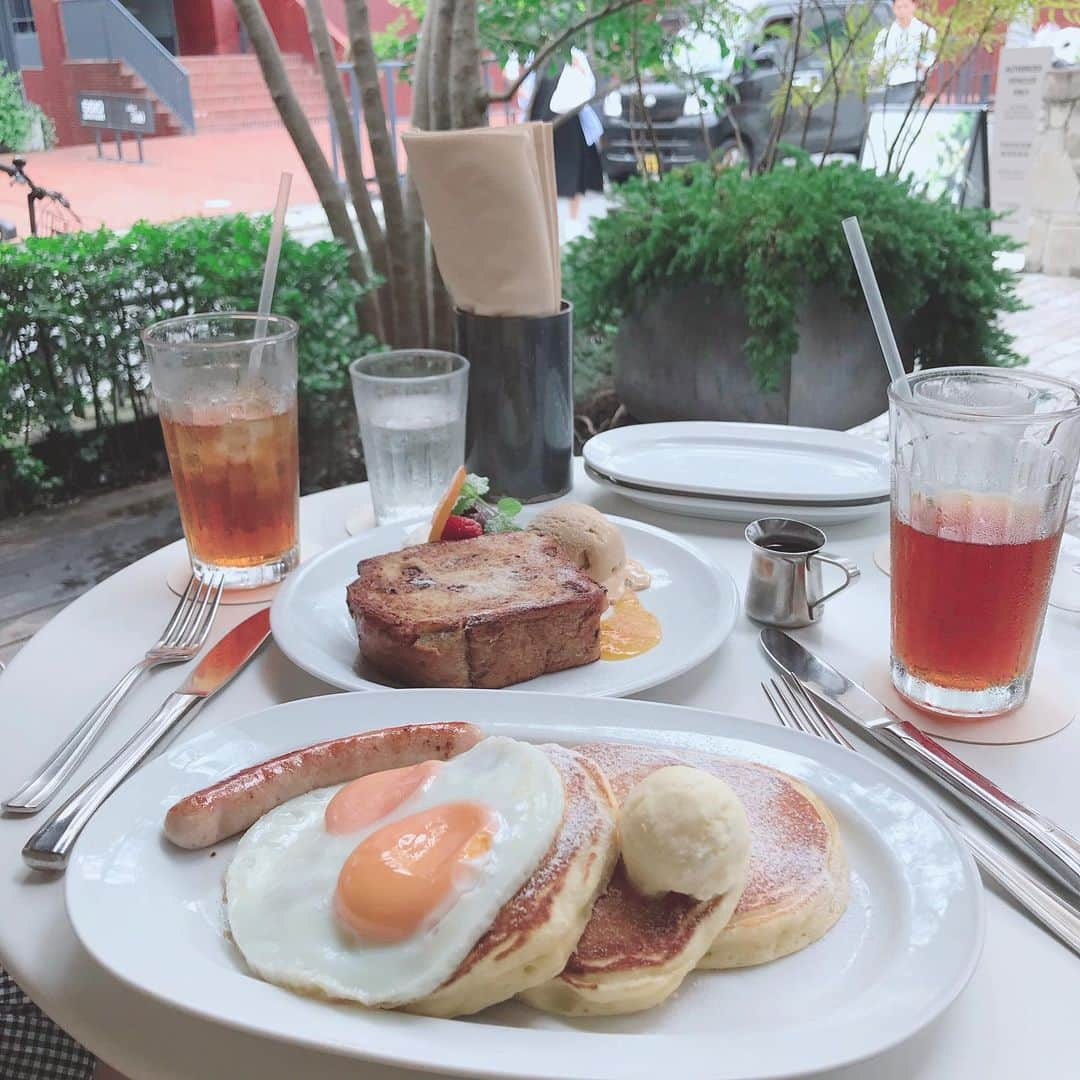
(106, 30)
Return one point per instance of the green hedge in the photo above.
(766, 239)
(72, 307)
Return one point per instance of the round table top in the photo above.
(1018, 1010)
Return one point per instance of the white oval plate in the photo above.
(767, 463)
(908, 943)
(741, 511)
(696, 603)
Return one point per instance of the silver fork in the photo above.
(795, 709)
(184, 635)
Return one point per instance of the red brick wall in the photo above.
(207, 26)
(50, 87)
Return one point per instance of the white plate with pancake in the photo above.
(696, 602)
(902, 951)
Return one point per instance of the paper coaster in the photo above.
(180, 574)
(883, 557)
(1046, 711)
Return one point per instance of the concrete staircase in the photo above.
(228, 91)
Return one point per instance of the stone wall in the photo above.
(1054, 232)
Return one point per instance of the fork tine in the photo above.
(182, 631)
(770, 689)
(807, 721)
(181, 609)
(823, 722)
(216, 587)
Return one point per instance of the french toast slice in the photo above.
(488, 612)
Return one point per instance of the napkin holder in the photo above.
(519, 430)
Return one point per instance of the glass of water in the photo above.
(411, 407)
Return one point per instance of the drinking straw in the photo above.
(867, 279)
(273, 254)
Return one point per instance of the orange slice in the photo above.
(446, 505)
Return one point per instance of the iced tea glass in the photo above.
(226, 394)
(983, 463)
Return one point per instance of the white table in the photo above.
(1017, 1018)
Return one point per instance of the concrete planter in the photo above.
(680, 357)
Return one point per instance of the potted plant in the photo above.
(735, 297)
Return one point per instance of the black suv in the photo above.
(684, 132)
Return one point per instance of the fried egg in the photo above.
(375, 891)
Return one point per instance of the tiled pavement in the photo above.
(49, 558)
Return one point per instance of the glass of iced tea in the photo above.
(226, 392)
(983, 463)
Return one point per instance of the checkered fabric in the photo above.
(32, 1047)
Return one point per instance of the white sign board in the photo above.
(1018, 107)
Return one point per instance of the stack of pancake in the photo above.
(627, 951)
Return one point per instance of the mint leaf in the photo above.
(473, 488)
(509, 507)
(500, 523)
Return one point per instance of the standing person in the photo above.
(577, 161)
(903, 53)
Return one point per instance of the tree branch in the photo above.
(557, 43)
(354, 166)
(439, 65)
(769, 158)
(641, 96)
(401, 270)
(920, 86)
(307, 146)
(415, 227)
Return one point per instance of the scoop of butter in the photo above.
(684, 830)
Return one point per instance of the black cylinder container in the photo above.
(520, 423)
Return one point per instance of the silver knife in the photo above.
(50, 846)
(1053, 847)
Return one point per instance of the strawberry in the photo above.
(461, 528)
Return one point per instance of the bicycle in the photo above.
(55, 220)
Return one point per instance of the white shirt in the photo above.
(899, 52)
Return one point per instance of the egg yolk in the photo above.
(368, 798)
(629, 631)
(404, 875)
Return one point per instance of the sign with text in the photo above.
(942, 149)
(1017, 113)
(116, 112)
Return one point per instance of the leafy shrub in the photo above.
(769, 238)
(72, 307)
(17, 115)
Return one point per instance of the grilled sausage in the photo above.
(231, 805)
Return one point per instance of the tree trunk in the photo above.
(414, 210)
(468, 99)
(354, 166)
(402, 276)
(439, 65)
(307, 146)
(443, 331)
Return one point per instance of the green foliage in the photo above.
(769, 238)
(15, 114)
(72, 307)
(594, 360)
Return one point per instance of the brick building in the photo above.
(189, 56)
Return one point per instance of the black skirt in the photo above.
(577, 165)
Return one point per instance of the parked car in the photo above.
(685, 131)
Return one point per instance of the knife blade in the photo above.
(1036, 835)
(50, 847)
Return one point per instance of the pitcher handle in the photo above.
(851, 573)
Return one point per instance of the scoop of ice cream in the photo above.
(591, 542)
(684, 830)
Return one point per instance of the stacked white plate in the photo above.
(739, 472)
